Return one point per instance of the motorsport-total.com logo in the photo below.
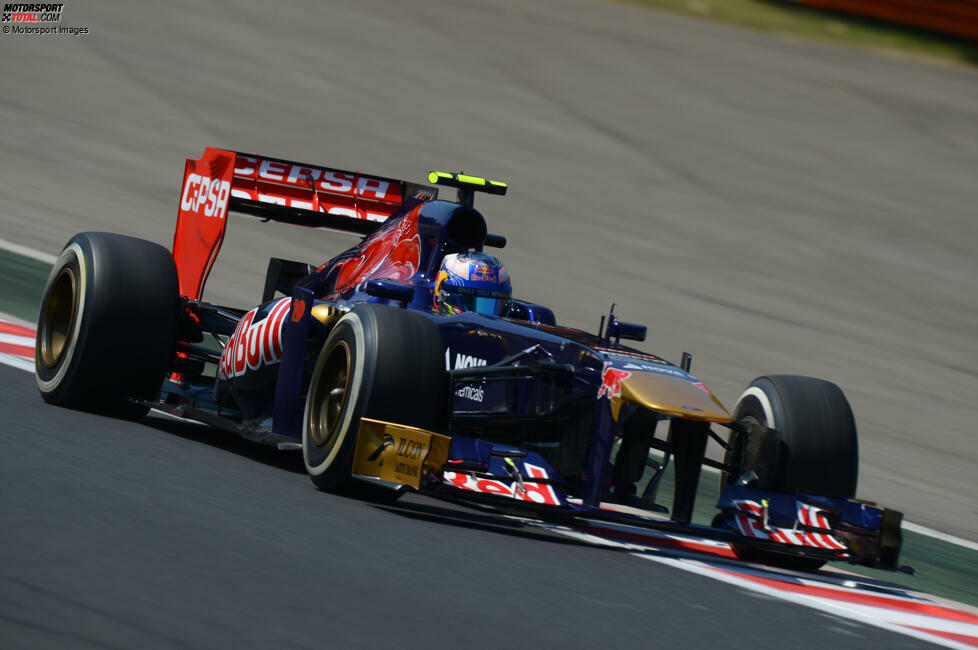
(32, 12)
(36, 18)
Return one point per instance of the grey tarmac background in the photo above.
(769, 205)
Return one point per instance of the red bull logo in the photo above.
(611, 379)
(254, 345)
(483, 273)
(540, 493)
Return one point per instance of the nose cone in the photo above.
(676, 393)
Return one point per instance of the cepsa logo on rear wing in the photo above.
(224, 182)
(205, 196)
(332, 191)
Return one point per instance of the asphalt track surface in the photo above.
(166, 535)
(769, 205)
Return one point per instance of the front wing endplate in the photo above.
(397, 453)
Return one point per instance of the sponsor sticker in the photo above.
(659, 370)
(473, 393)
(322, 180)
(462, 360)
(630, 354)
(206, 196)
(298, 311)
(529, 490)
(396, 453)
(255, 344)
(484, 273)
(671, 371)
(611, 379)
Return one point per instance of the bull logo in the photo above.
(388, 442)
(611, 379)
(298, 309)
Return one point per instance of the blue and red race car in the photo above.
(404, 363)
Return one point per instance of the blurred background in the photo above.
(769, 186)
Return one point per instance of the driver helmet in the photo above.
(472, 282)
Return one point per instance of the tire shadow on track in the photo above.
(411, 506)
(450, 515)
(557, 532)
(290, 461)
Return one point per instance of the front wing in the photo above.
(514, 480)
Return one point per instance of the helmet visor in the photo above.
(478, 304)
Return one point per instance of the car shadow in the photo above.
(288, 460)
(426, 508)
(417, 507)
(412, 506)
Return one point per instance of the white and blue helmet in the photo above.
(472, 282)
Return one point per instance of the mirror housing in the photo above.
(531, 312)
(628, 331)
(390, 290)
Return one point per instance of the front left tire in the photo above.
(378, 362)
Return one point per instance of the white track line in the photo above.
(13, 320)
(26, 251)
(936, 534)
(877, 617)
(17, 362)
(14, 339)
(869, 615)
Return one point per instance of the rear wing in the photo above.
(224, 182)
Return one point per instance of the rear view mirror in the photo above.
(390, 290)
(628, 331)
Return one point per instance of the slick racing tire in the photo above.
(817, 447)
(107, 327)
(378, 362)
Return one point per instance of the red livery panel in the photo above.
(202, 218)
(227, 181)
(393, 253)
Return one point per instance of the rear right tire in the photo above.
(107, 327)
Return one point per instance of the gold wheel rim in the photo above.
(58, 317)
(330, 396)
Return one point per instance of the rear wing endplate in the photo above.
(224, 182)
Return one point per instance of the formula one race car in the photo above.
(404, 363)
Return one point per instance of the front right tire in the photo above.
(816, 431)
(817, 446)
